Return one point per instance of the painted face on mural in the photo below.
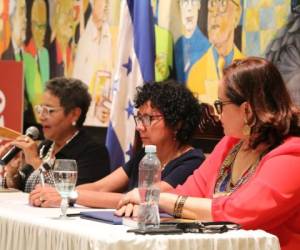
(38, 22)
(65, 20)
(189, 15)
(19, 22)
(223, 17)
(99, 12)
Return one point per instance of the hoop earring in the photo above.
(74, 123)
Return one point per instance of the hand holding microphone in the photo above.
(22, 143)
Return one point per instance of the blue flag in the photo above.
(135, 65)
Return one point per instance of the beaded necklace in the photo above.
(224, 184)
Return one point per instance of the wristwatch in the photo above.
(72, 198)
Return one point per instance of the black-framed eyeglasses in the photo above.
(219, 105)
(45, 110)
(146, 120)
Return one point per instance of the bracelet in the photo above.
(176, 204)
(179, 206)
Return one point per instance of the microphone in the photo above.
(32, 132)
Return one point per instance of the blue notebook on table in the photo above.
(102, 216)
(109, 217)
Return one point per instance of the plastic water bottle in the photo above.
(149, 178)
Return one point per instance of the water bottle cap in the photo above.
(150, 149)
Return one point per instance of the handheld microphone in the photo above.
(32, 132)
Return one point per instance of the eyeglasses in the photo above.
(146, 120)
(220, 5)
(186, 2)
(219, 105)
(45, 110)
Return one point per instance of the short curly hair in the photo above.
(179, 107)
(72, 93)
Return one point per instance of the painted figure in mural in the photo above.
(192, 44)
(223, 17)
(15, 50)
(18, 22)
(4, 26)
(94, 62)
(163, 46)
(36, 57)
(284, 52)
(64, 21)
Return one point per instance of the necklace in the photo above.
(48, 157)
(178, 153)
(224, 183)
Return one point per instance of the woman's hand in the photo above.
(29, 148)
(128, 210)
(46, 196)
(11, 169)
(128, 205)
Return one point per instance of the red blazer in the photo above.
(269, 200)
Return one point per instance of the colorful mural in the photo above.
(194, 39)
(72, 38)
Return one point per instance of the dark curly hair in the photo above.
(181, 110)
(258, 82)
(72, 93)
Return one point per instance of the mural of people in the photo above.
(84, 34)
(61, 51)
(18, 22)
(15, 50)
(94, 62)
(223, 17)
(163, 45)
(192, 44)
(36, 57)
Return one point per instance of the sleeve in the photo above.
(186, 168)
(269, 198)
(25, 172)
(131, 166)
(27, 169)
(93, 163)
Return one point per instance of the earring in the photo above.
(175, 135)
(246, 129)
(74, 123)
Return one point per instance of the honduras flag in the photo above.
(135, 65)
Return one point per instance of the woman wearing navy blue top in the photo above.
(168, 115)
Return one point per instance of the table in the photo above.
(29, 228)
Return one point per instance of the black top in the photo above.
(174, 173)
(91, 157)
